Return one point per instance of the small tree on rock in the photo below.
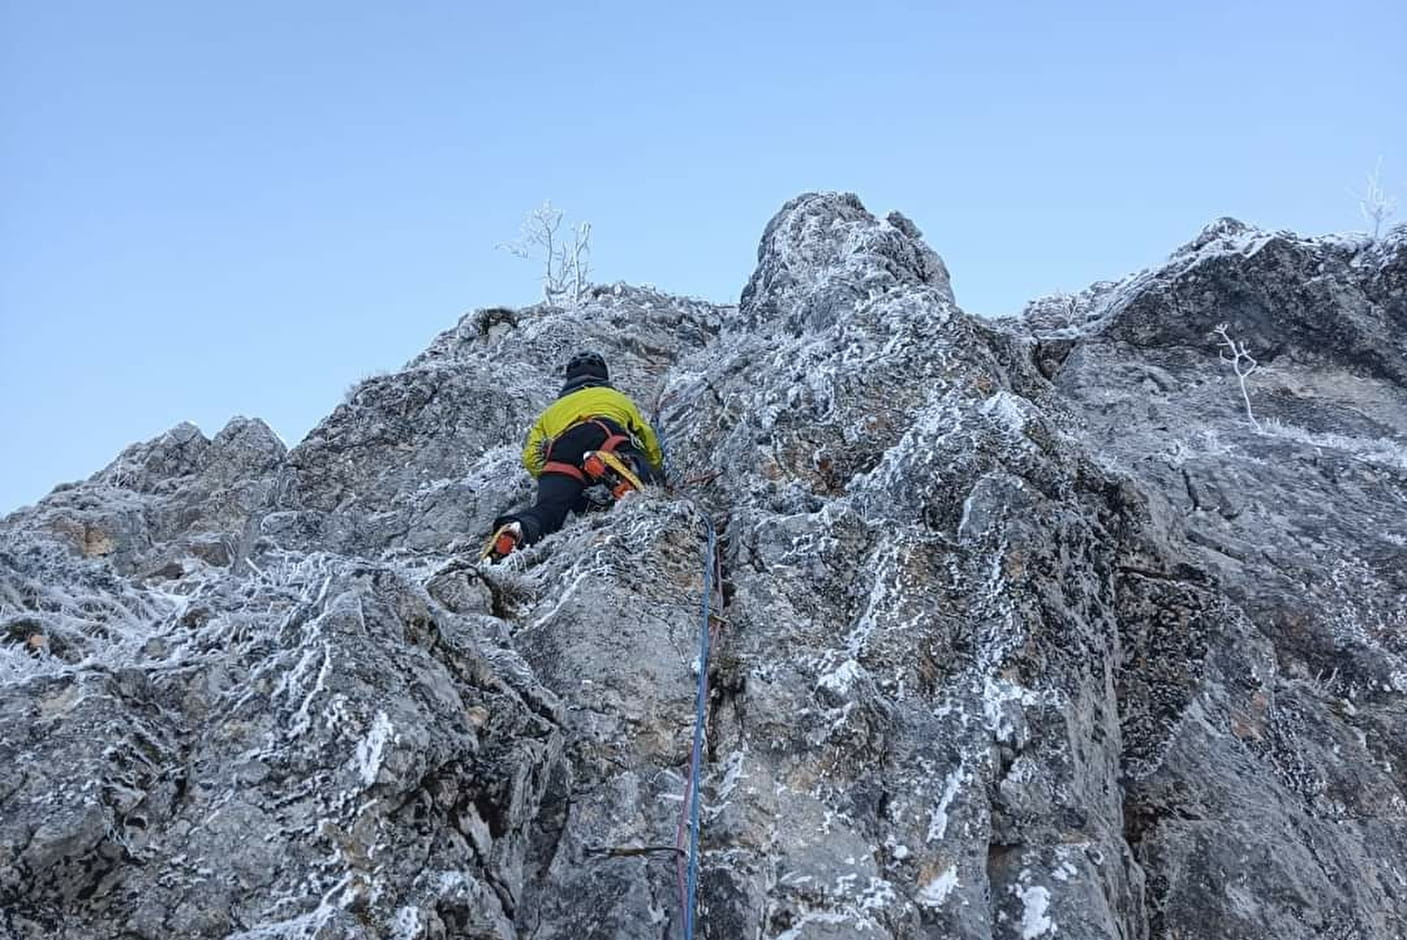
(1374, 202)
(565, 257)
(1241, 361)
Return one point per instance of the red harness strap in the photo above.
(571, 470)
(613, 441)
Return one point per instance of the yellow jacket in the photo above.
(597, 401)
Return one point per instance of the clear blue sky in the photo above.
(213, 209)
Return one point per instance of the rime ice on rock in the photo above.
(1028, 633)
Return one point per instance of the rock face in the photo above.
(1034, 628)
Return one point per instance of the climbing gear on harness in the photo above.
(602, 466)
(501, 544)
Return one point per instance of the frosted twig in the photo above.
(581, 250)
(1242, 362)
(1374, 203)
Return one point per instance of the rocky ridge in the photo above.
(1030, 631)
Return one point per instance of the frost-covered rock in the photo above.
(1271, 804)
(1029, 631)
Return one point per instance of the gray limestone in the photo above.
(1031, 631)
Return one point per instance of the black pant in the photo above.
(560, 493)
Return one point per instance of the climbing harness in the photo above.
(614, 439)
(687, 860)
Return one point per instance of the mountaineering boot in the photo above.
(501, 544)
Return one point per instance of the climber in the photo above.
(590, 424)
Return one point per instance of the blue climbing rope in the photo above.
(700, 717)
(688, 867)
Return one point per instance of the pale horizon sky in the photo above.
(221, 209)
